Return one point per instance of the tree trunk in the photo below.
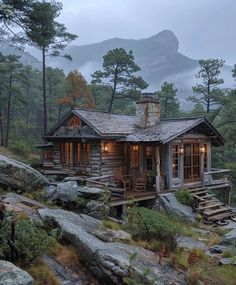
(27, 112)
(113, 90)
(59, 112)
(45, 119)
(8, 109)
(1, 128)
(208, 99)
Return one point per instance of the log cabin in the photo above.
(175, 152)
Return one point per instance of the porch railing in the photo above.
(217, 177)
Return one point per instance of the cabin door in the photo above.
(192, 162)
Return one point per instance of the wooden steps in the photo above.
(215, 204)
(210, 207)
(216, 211)
(221, 217)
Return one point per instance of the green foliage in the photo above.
(81, 203)
(31, 239)
(118, 72)
(147, 224)
(184, 197)
(168, 99)
(227, 254)
(111, 225)
(20, 148)
(209, 94)
(138, 279)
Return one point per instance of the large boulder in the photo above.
(109, 261)
(229, 239)
(190, 243)
(172, 207)
(87, 200)
(17, 175)
(65, 192)
(12, 275)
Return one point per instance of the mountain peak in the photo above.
(165, 40)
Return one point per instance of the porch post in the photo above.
(202, 167)
(158, 175)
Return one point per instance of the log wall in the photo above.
(113, 158)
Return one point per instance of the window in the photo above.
(175, 160)
(75, 153)
(134, 156)
(67, 153)
(74, 123)
(191, 161)
(149, 158)
(47, 154)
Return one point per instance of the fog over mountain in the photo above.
(158, 56)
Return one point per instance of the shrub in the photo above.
(20, 148)
(148, 224)
(31, 240)
(184, 197)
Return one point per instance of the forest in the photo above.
(32, 101)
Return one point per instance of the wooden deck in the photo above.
(136, 196)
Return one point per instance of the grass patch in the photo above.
(227, 254)
(66, 255)
(213, 240)
(184, 197)
(108, 224)
(42, 274)
(221, 231)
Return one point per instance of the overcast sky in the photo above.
(205, 28)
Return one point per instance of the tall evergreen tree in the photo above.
(118, 72)
(168, 100)
(209, 93)
(49, 36)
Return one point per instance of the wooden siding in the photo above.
(95, 158)
(113, 158)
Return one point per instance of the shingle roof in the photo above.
(107, 124)
(123, 127)
(167, 130)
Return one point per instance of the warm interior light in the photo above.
(202, 149)
(135, 147)
(181, 150)
(105, 147)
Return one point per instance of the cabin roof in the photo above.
(106, 123)
(123, 127)
(169, 129)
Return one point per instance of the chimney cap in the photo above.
(148, 98)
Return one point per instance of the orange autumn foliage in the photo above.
(78, 94)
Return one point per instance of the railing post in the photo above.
(203, 179)
(158, 175)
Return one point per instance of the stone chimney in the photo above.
(147, 110)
